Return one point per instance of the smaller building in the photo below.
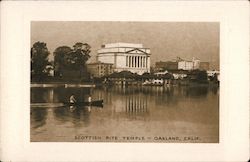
(204, 66)
(185, 65)
(100, 69)
(166, 65)
(189, 65)
(181, 64)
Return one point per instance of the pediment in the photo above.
(136, 50)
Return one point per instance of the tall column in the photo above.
(132, 61)
(135, 61)
(144, 61)
(149, 64)
(138, 61)
(136, 65)
(141, 61)
(126, 61)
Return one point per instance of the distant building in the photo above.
(166, 65)
(125, 57)
(204, 66)
(99, 69)
(186, 65)
(189, 65)
(181, 64)
(196, 63)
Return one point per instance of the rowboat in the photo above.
(98, 103)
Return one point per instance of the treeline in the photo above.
(69, 64)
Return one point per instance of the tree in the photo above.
(60, 58)
(202, 76)
(198, 76)
(80, 54)
(39, 61)
(75, 58)
(78, 57)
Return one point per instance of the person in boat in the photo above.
(72, 99)
(89, 99)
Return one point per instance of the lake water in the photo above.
(131, 114)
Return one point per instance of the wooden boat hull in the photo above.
(98, 103)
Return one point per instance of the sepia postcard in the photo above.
(125, 81)
(162, 85)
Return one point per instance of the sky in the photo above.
(166, 40)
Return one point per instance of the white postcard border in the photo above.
(15, 79)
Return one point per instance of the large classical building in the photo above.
(125, 57)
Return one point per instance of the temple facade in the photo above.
(125, 57)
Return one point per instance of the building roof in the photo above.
(98, 63)
(128, 50)
(120, 44)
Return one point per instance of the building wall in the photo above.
(129, 62)
(120, 61)
(99, 69)
(204, 66)
(107, 58)
(148, 66)
(160, 64)
(196, 64)
(186, 65)
(172, 66)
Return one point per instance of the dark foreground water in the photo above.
(131, 114)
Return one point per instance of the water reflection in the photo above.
(135, 104)
(176, 110)
(78, 116)
(196, 92)
(38, 117)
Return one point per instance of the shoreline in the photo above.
(93, 85)
(65, 85)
